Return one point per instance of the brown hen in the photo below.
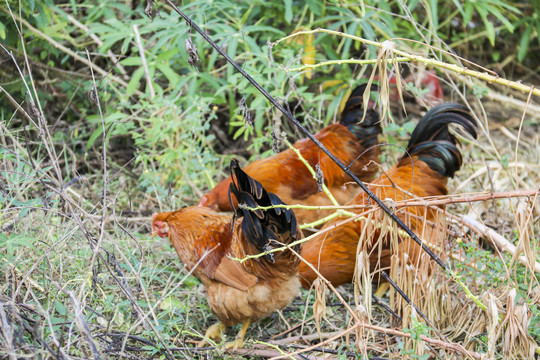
(206, 241)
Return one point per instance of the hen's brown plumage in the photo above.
(433, 158)
(286, 176)
(204, 240)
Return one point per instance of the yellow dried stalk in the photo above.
(319, 306)
(524, 246)
(363, 335)
(491, 79)
(517, 343)
(492, 323)
(362, 289)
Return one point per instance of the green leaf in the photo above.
(433, 4)
(61, 308)
(2, 31)
(246, 15)
(460, 8)
(169, 73)
(93, 137)
(346, 48)
(316, 6)
(524, 43)
(19, 240)
(503, 18)
(172, 303)
(288, 11)
(468, 13)
(504, 161)
(409, 126)
(490, 32)
(239, 132)
(261, 28)
(167, 54)
(132, 61)
(332, 109)
(125, 44)
(490, 29)
(392, 127)
(232, 45)
(414, 3)
(134, 82)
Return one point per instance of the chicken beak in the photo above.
(160, 229)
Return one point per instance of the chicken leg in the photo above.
(239, 342)
(214, 332)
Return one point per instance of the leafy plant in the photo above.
(499, 9)
(417, 329)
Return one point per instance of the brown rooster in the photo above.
(351, 141)
(238, 292)
(432, 156)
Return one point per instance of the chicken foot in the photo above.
(214, 332)
(382, 289)
(239, 342)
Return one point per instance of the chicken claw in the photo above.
(382, 289)
(239, 342)
(214, 332)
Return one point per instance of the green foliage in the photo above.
(529, 26)
(176, 108)
(194, 99)
(498, 9)
(493, 272)
(417, 329)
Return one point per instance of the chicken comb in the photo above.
(265, 229)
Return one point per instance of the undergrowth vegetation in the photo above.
(110, 111)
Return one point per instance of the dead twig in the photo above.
(437, 200)
(274, 354)
(143, 59)
(7, 332)
(334, 335)
(98, 41)
(83, 327)
(460, 70)
(332, 338)
(467, 198)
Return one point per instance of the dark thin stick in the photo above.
(386, 307)
(310, 136)
(409, 301)
(337, 352)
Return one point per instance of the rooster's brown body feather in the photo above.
(285, 175)
(433, 158)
